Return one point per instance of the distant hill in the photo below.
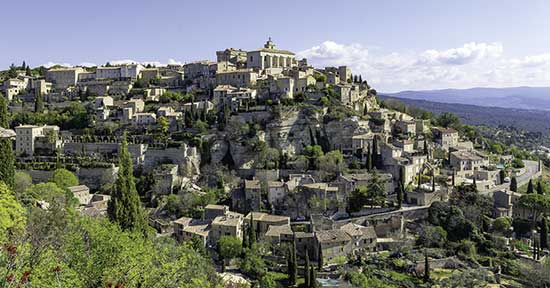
(514, 97)
(530, 120)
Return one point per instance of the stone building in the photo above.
(237, 78)
(31, 140)
(270, 60)
(62, 78)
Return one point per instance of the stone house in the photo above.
(332, 244)
(263, 221)
(229, 224)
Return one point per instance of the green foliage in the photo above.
(7, 163)
(64, 178)
(447, 119)
(331, 164)
(291, 262)
(12, 214)
(229, 247)
(514, 184)
(22, 181)
(432, 236)
(124, 207)
(517, 163)
(87, 252)
(48, 192)
(502, 224)
(252, 264)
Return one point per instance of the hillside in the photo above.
(514, 97)
(524, 119)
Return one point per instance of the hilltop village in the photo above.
(278, 172)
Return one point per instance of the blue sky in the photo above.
(396, 45)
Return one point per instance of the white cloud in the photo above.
(51, 64)
(87, 64)
(471, 65)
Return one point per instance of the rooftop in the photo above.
(332, 236)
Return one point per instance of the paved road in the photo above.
(531, 168)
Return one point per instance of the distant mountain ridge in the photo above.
(537, 98)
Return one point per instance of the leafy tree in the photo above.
(358, 198)
(530, 188)
(268, 281)
(124, 207)
(7, 166)
(229, 247)
(514, 184)
(447, 119)
(252, 263)
(331, 164)
(22, 181)
(502, 224)
(432, 236)
(537, 204)
(12, 214)
(64, 178)
(48, 192)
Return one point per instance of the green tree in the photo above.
(22, 181)
(530, 188)
(38, 102)
(502, 224)
(268, 281)
(369, 159)
(358, 198)
(229, 247)
(124, 207)
(447, 119)
(544, 233)
(426, 268)
(540, 188)
(400, 192)
(502, 175)
(514, 184)
(313, 278)
(292, 267)
(307, 278)
(64, 178)
(251, 231)
(7, 166)
(48, 192)
(12, 214)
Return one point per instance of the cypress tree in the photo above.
(540, 190)
(251, 231)
(307, 278)
(369, 159)
(474, 185)
(530, 188)
(502, 175)
(514, 184)
(320, 260)
(245, 243)
(426, 268)
(7, 164)
(544, 233)
(375, 151)
(433, 182)
(453, 179)
(313, 278)
(291, 264)
(38, 102)
(400, 195)
(124, 208)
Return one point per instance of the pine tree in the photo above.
(7, 164)
(307, 278)
(540, 190)
(544, 233)
(125, 208)
(514, 184)
(426, 268)
(530, 188)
